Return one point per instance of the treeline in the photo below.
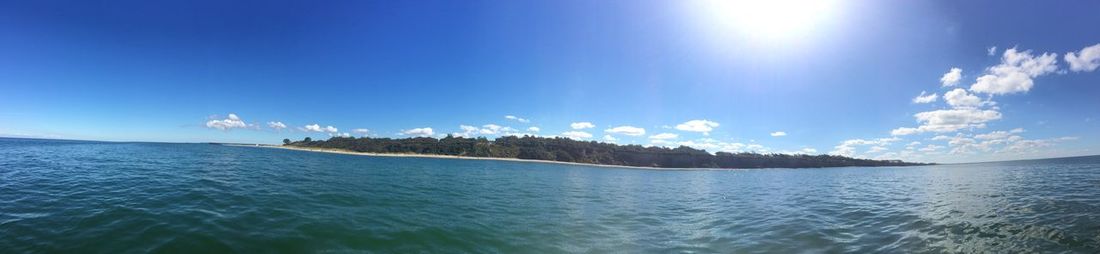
(568, 150)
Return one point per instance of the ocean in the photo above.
(106, 197)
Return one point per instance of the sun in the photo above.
(768, 20)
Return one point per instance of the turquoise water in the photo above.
(88, 197)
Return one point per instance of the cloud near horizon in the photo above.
(626, 130)
(577, 135)
(968, 112)
(664, 136)
(418, 132)
(318, 128)
(702, 126)
(581, 125)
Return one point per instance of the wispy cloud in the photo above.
(664, 136)
(517, 119)
(948, 120)
(922, 98)
(703, 126)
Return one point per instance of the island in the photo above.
(559, 149)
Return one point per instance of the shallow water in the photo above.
(88, 197)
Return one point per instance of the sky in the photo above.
(930, 81)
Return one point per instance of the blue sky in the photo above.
(838, 77)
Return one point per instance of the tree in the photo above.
(286, 141)
(568, 150)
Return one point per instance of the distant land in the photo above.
(566, 150)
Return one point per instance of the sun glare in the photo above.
(768, 20)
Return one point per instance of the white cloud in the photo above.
(991, 51)
(875, 149)
(516, 118)
(959, 98)
(1031, 146)
(533, 129)
(778, 134)
(1007, 141)
(904, 131)
(577, 135)
(704, 126)
(467, 131)
(713, 145)
(955, 119)
(581, 125)
(1088, 59)
(276, 125)
(993, 135)
(493, 129)
(609, 138)
(661, 142)
(1015, 72)
(318, 128)
(952, 77)
(230, 122)
(627, 130)
(930, 148)
(489, 130)
(848, 147)
(809, 150)
(922, 98)
(419, 132)
(342, 135)
(664, 136)
(361, 131)
(1026, 146)
(948, 120)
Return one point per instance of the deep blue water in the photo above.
(92, 197)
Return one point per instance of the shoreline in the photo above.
(439, 156)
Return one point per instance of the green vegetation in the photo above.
(568, 150)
